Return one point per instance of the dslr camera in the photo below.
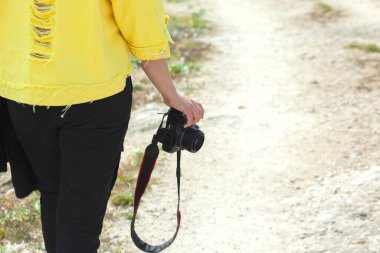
(174, 137)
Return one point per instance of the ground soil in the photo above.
(291, 158)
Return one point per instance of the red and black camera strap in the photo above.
(146, 169)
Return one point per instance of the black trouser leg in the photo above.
(48, 216)
(38, 136)
(75, 159)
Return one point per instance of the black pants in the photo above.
(75, 160)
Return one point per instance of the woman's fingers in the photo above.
(198, 111)
(191, 109)
(194, 114)
(203, 111)
(189, 119)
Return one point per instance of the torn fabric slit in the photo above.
(42, 29)
(42, 33)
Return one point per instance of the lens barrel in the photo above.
(192, 139)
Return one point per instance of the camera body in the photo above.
(175, 137)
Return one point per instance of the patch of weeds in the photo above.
(130, 216)
(2, 249)
(19, 222)
(192, 25)
(123, 199)
(198, 21)
(183, 67)
(137, 159)
(123, 192)
(124, 179)
(323, 12)
(368, 48)
(138, 86)
(191, 50)
(325, 8)
(188, 50)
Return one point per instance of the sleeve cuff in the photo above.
(151, 53)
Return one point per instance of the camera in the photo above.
(175, 137)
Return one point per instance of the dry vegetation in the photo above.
(324, 12)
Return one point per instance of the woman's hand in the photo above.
(190, 108)
(158, 73)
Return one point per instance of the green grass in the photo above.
(137, 159)
(188, 50)
(121, 178)
(368, 48)
(323, 12)
(123, 199)
(138, 86)
(17, 223)
(123, 193)
(324, 7)
(198, 21)
(191, 50)
(188, 25)
(130, 216)
(184, 67)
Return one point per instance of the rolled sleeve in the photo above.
(143, 26)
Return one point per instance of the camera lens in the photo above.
(192, 139)
(198, 142)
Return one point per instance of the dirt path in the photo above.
(290, 162)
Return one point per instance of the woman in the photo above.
(61, 55)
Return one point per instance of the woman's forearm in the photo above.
(158, 73)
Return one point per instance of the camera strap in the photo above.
(145, 172)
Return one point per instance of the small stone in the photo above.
(309, 110)
(362, 215)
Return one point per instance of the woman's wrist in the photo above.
(158, 73)
(170, 99)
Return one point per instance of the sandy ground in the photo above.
(291, 160)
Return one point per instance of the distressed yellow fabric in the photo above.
(65, 52)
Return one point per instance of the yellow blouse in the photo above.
(64, 52)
